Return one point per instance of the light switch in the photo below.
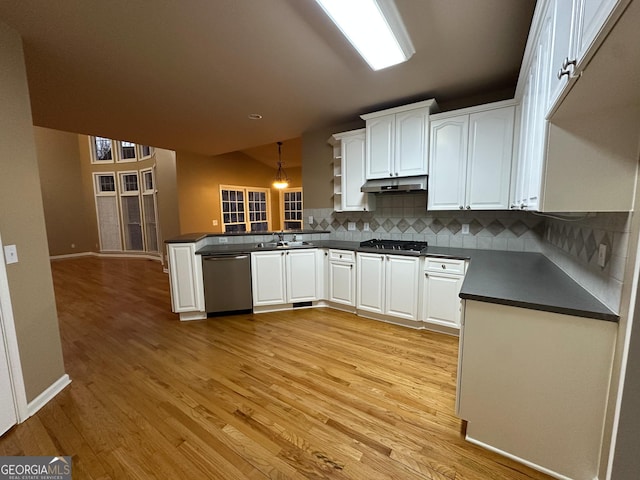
(10, 254)
(366, 226)
(310, 219)
(351, 226)
(465, 229)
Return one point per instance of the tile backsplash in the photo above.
(405, 217)
(572, 244)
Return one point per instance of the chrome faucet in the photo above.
(280, 236)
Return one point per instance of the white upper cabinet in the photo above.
(397, 140)
(448, 162)
(578, 133)
(350, 176)
(470, 158)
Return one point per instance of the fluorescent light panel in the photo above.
(374, 28)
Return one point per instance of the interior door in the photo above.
(8, 417)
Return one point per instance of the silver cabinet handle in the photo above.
(444, 267)
(468, 207)
(567, 63)
(461, 207)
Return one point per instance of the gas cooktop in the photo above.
(406, 245)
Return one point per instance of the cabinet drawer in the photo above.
(443, 265)
(342, 255)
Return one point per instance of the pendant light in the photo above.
(281, 181)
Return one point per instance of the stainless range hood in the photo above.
(400, 184)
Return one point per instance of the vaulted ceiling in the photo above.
(185, 75)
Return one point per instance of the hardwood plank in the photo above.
(312, 393)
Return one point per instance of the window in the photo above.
(104, 185)
(244, 209)
(101, 150)
(126, 152)
(291, 208)
(149, 209)
(144, 151)
(131, 211)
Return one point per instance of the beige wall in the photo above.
(199, 179)
(22, 223)
(317, 170)
(168, 211)
(66, 212)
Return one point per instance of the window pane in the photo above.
(225, 195)
(148, 181)
(102, 148)
(130, 182)
(127, 150)
(106, 183)
(232, 195)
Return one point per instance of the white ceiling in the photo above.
(185, 74)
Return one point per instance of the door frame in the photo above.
(7, 324)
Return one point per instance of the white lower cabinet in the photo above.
(342, 277)
(268, 278)
(441, 303)
(388, 285)
(286, 276)
(185, 280)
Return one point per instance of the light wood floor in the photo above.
(306, 394)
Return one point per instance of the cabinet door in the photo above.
(342, 283)
(561, 13)
(380, 147)
(370, 285)
(447, 166)
(185, 278)
(489, 160)
(353, 173)
(441, 301)
(592, 15)
(302, 275)
(268, 278)
(401, 292)
(411, 142)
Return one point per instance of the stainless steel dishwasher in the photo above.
(227, 283)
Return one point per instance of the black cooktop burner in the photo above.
(394, 244)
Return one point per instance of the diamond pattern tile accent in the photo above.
(436, 226)
(388, 225)
(419, 226)
(475, 227)
(454, 226)
(518, 228)
(403, 225)
(495, 227)
(571, 240)
(335, 224)
(590, 246)
(324, 224)
(579, 242)
(359, 225)
(373, 225)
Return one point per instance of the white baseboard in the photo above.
(41, 400)
(145, 256)
(529, 464)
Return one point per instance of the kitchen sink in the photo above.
(283, 244)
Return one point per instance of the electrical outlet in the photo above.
(351, 226)
(602, 255)
(465, 229)
(310, 219)
(11, 254)
(366, 226)
(223, 240)
(214, 223)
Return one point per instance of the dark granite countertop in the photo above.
(519, 279)
(196, 236)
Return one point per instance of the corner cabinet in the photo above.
(349, 172)
(185, 281)
(397, 140)
(471, 158)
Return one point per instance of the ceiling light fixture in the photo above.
(374, 28)
(281, 181)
